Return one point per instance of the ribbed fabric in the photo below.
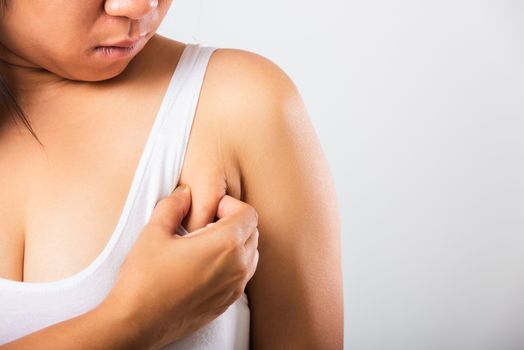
(26, 307)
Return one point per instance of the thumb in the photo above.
(170, 211)
(228, 206)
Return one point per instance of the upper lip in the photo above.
(125, 42)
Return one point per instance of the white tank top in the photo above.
(26, 307)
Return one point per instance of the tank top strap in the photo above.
(164, 156)
(179, 112)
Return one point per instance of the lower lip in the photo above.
(115, 52)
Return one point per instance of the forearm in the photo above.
(104, 327)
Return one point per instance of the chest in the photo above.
(59, 207)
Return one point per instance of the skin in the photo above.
(251, 138)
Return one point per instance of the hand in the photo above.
(171, 285)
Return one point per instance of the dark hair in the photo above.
(9, 107)
(8, 104)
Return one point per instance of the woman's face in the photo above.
(76, 39)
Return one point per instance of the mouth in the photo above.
(121, 49)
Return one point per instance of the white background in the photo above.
(419, 106)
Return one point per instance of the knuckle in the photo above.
(252, 213)
(239, 264)
(244, 268)
(230, 243)
(257, 258)
(234, 238)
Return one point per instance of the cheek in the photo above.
(163, 7)
(152, 22)
(63, 51)
(39, 40)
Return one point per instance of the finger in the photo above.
(253, 264)
(200, 231)
(237, 219)
(229, 206)
(251, 248)
(170, 211)
(252, 242)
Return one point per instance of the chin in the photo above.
(99, 73)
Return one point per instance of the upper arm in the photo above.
(296, 293)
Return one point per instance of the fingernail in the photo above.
(182, 188)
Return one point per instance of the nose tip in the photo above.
(134, 9)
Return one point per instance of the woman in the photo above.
(92, 77)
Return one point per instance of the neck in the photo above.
(30, 83)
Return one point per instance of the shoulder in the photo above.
(249, 70)
(248, 81)
(237, 80)
(258, 105)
